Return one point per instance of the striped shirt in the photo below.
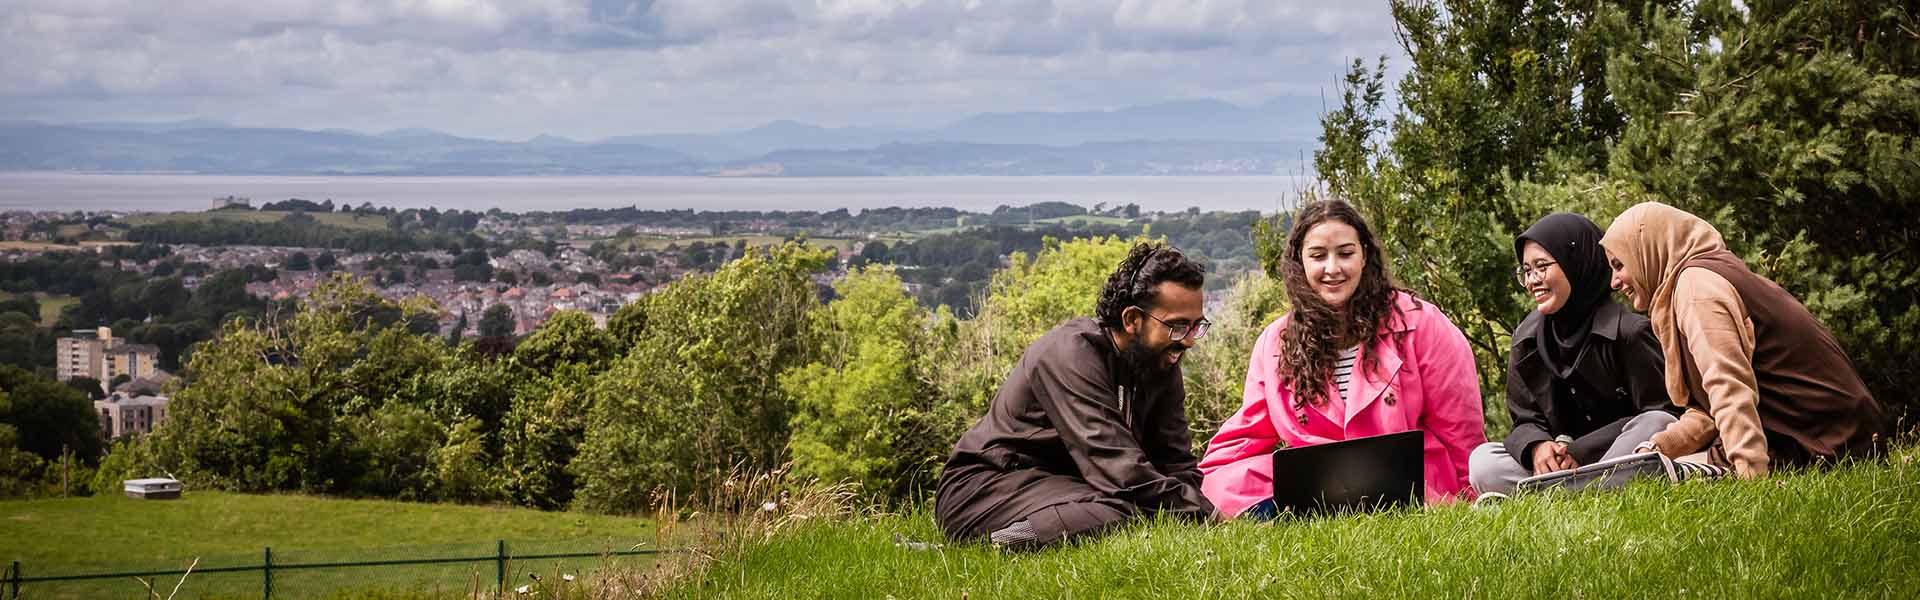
(1343, 370)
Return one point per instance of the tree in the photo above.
(394, 444)
(463, 466)
(86, 386)
(866, 412)
(481, 273)
(874, 252)
(19, 470)
(325, 262)
(1500, 100)
(697, 394)
(162, 297)
(299, 262)
(569, 336)
(18, 338)
(497, 322)
(273, 404)
(459, 329)
(1791, 126)
(49, 417)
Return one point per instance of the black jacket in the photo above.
(1619, 375)
(1071, 424)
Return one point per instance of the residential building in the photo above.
(97, 354)
(133, 360)
(122, 414)
(82, 354)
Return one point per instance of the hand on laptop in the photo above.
(1551, 456)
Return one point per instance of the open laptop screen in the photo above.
(1350, 475)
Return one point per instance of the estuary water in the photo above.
(183, 192)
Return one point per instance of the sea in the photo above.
(150, 192)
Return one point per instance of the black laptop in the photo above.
(1361, 474)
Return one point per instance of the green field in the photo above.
(1084, 220)
(50, 306)
(116, 534)
(1852, 532)
(347, 220)
(753, 241)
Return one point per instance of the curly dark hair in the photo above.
(1311, 341)
(1136, 282)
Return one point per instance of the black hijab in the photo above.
(1574, 243)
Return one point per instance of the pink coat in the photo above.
(1424, 380)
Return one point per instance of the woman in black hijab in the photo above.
(1585, 377)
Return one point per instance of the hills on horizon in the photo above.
(1176, 138)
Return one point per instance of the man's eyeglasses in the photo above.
(1180, 330)
(1535, 270)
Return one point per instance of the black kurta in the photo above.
(1617, 376)
(1072, 424)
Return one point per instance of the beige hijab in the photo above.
(1652, 240)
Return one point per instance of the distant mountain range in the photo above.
(1178, 138)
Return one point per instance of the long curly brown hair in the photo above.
(1311, 341)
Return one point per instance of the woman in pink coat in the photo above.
(1356, 357)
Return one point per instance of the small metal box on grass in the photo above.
(153, 489)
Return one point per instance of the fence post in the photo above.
(13, 580)
(500, 565)
(266, 570)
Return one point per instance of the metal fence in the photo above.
(16, 577)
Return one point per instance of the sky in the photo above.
(591, 69)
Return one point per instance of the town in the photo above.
(524, 268)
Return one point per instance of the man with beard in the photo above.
(1090, 429)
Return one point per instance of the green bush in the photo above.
(866, 411)
(1216, 368)
(697, 394)
(542, 434)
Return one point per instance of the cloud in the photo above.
(592, 68)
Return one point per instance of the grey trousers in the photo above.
(1491, 469)
(1062, 522)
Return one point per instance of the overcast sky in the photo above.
(589, 69)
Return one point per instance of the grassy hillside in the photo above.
(50, 306)
(753, 241)
(347, 220)
(115, 533)
(1084, 220)
(88, 245)
(1849, 532)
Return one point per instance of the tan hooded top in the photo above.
(1747, 360)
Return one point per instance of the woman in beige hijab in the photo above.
(1763, 382)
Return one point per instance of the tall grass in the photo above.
(1849, 531)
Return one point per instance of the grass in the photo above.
(1085, 220)
(52, 247)
(113, 533)
(1852, 531)
(50, 306)
(346, 220)
(753, 241)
